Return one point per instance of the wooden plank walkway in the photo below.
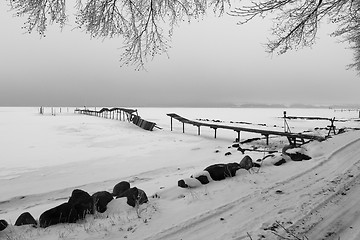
(292, 137)
(130, 115)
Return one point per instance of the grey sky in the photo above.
(213, 61)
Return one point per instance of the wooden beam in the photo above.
(199, 130)
(171, 126)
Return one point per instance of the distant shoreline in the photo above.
(248, 105)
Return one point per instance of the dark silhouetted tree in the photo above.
(296, 22)
(147, 25)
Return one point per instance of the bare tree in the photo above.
(296, 22)
(147, 25)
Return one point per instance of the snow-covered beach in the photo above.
(45, 157)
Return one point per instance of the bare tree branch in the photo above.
(296, 22)
(146, 26)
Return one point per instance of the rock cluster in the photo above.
(81, 204)
(216, 172)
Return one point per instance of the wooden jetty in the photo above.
(294, 138)
(131, 115)
(332, 127)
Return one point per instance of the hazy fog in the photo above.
(212, 62)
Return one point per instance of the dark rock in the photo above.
(63, 213)
(280, 162)
(228, 153)
(182, 184)
(216, 171)
(135, 196)
(257, 165)
(101, 200)
(82, 202)
(341, 130)
(235, 145)
(120, 188)
(231, 168)
(298, 156)
(3, 224)
(203, 179)
(221, 171)
(189, 183)
(25, 219)
(246, 163)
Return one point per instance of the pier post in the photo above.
(238, 135)
(171, 128)
(199, 130)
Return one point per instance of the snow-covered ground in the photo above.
(44, 157)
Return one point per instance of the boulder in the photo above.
(231, 168)
(296, 154)
(203, 176)
(120, 188)
(64, 213)
(3, 224)
(101, 200)
(25, 219)
(216, 171)
(189, 183)
(135, 196)
(246, 163)
(82, 202)
(221, 171)
(280, 162)
(182, 184)
(227, 153)
(203, 179)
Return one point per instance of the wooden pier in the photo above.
(121, 114)
(294, 138)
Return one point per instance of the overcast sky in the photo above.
(211, 62)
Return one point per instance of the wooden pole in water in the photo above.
(183, 127)
(215, 132)
(199, 130)
(171, 128)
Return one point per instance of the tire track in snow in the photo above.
(296, 184)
